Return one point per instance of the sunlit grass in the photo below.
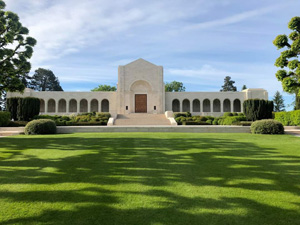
(150, 178)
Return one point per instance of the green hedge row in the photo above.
(44, 126)
(257, 109)
(288, 118)
(4, 119)
(23, 109)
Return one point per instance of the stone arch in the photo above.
(206, 105)
(176, 105)
(196, 105)
(226, 105)
(94, 105)
(42, 106)
(83, 105)
(216, 105)
(141, 86)
(62, 106)
(186, 106)
(104, 105)
(73, 106)
(51, 106)
(237, 105)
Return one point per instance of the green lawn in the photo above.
(150, 179)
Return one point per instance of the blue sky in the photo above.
(198, 42)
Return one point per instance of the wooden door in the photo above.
(141, 103)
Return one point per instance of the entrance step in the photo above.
(141, 119)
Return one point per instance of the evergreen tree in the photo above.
(244, 87)
(16, 49)
(174, 86)
(289, 75)
(44, 80)
(278, 102)
(228, 85)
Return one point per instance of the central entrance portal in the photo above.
(141, 103)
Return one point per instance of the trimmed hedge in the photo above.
(4, 119)
(195, 123)
(288, 118)
(180, 114)
(44, 126)
(258, 109)
(23, 109)
(267, 127)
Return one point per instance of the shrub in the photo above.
(257, 109)
(23, 109)
(180, 114)
(241, 114)
(12, 107)
(233, 120)
(227, 114)
(267, 127)
(43, 126)
(288, 118)
(4, 119)
(194, 123)
(17, 123)
(28, 108)
(235, 114)
(246, 123)
(209, 122)
(215, 122)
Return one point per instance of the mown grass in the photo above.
(150, 179)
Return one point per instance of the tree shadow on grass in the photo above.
(153, 165)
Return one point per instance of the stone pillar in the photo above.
(56, 106)
(222, 109)
(78, 106)
(212, 106)
(231, 105)
(46, 105)
(67, 106)
(89, 106)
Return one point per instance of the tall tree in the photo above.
(228, 84)
(104, 88)
(44, 80)
(174, 86)
(278, 102)
(289, 74)
(244, 87)
(16, 48)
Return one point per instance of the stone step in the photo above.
(141, 119)
(9, 133)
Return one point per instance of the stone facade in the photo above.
(141, 89)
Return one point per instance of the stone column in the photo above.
(46, 105)
(212, 106)
(67, 106)
(99, 105)
(78, 106)
(56, 106)
(88, 105)
(222, 109)
(231, 105)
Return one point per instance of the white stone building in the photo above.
(141, 89)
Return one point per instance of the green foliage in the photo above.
(174, 86)
(44, 80)
(232, 120)
(288, 118)
(228, 85)
(17, 123)
(267, 127)
(227, 114)
(244, 87)
(257, 109)
(278, 102)
(288, 60)
(4, 119)
(28, 108)
(43, 126)
(79, 120)
(16, 50)
(184, 114)
(12, 107)
(195, 123)
(105, 88)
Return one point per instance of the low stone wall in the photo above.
(177, 129)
